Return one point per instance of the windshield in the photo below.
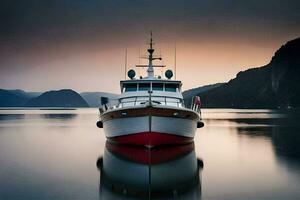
(131, 87)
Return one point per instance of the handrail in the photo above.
(196, 105)
(151, 96)
(195, 108)
(136, 100)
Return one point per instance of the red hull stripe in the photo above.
(151, 139)
(150, 156)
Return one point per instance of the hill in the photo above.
(275, 85)
(13, 98)
(60, 98)
(189, 94)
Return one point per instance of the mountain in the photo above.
(13, 98)
(94, 99)
(275, 85)
(60, 98)
(25, 94)
(189, 94)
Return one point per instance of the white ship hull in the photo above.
(153, 129)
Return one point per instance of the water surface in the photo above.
(247, 154)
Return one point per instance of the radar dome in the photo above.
(131, 74)
(169, 74)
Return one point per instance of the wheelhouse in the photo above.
(163, 92)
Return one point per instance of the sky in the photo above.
(80, 44)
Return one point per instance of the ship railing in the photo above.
(106, 107)
(143, 100)
(154, 100)
(196, 104)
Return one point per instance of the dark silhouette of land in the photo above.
(189, 94)
(275, 85)
(61, 98)
(15, 98)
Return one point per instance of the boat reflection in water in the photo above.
(130, 172)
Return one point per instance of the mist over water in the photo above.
(247, 154)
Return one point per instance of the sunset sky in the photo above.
(80, 44)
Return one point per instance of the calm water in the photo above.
(247, 154)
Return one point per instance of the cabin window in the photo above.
(171, 87)
(144, 86)
(131, 87)
(157, 86)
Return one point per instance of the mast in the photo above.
(151, 57)
(150, 69)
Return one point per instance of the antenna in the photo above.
(125, 62)
(175, 67)
(139, 55)
(162, 62)
(139, 60)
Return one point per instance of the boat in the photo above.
(133, 172)
(150, 111)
